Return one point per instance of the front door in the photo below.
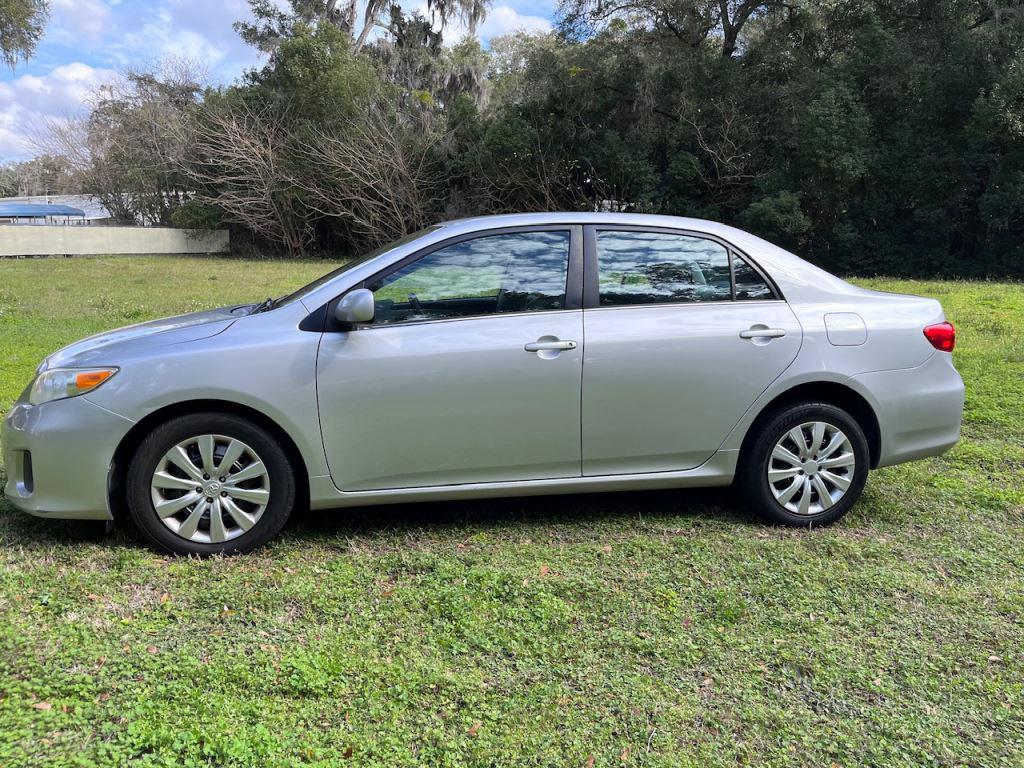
(682, 337)
(469, 373)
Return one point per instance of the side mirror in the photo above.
(355, 307)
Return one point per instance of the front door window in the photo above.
(494, 274)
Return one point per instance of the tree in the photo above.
(251, 155)
(42, 175)
(331, 145)
(692, 22)
(274, 24)
(415, 59)
(21, 27)
(129, 151)
(240, 165)
(376, 173)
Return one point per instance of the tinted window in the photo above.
(514, 272)
(749, 284)
(657, 268)
(309, 288)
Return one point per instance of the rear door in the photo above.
(682, 335)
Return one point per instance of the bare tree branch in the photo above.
(373, 172)
(238, 166)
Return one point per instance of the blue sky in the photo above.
(88, 41)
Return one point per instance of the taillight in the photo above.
(942, 336)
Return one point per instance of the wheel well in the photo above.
(131, 441)
(835, 394)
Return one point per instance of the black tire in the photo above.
(752, 473)
(164, 437)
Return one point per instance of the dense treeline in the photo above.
(870, 136)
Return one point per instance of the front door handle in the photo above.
(545, 346)
(763, 333)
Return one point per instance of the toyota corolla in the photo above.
(498, 356)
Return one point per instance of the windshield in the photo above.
(307, 289)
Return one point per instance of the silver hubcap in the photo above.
(811, 468)
(210, 489)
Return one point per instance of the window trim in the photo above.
(573, 278)
(591, 284)
(772, 285)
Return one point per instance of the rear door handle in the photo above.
(763, 333)
(543, 346)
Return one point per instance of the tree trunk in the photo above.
(370, 19)
(729, 41)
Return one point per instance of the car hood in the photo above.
(106, 348)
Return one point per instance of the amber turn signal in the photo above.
(91, 379)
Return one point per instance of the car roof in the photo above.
(474, 223)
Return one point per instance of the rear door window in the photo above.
(660, 268)
(638, 267)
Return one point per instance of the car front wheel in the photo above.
(210, 483)
(807, 465)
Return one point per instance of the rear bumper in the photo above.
(57, 457)
(919, 409)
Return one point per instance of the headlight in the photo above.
(67, 382)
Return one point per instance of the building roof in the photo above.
(37, 210)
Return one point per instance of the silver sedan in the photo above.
(498, 356)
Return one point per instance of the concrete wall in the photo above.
(46, 240)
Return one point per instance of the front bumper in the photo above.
(58, 455)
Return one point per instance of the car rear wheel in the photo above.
(807, 465)
(210, 483)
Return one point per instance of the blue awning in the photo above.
(37, 210)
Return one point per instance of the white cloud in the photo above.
(139, 33)
(75, 21)
(61, 91)
(503, 19)
(11, 143)
(207, 27)
(199, 30)
(28, 101)
(160, 40)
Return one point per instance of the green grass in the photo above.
(654, 629)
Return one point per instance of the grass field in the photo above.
(646, 629)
